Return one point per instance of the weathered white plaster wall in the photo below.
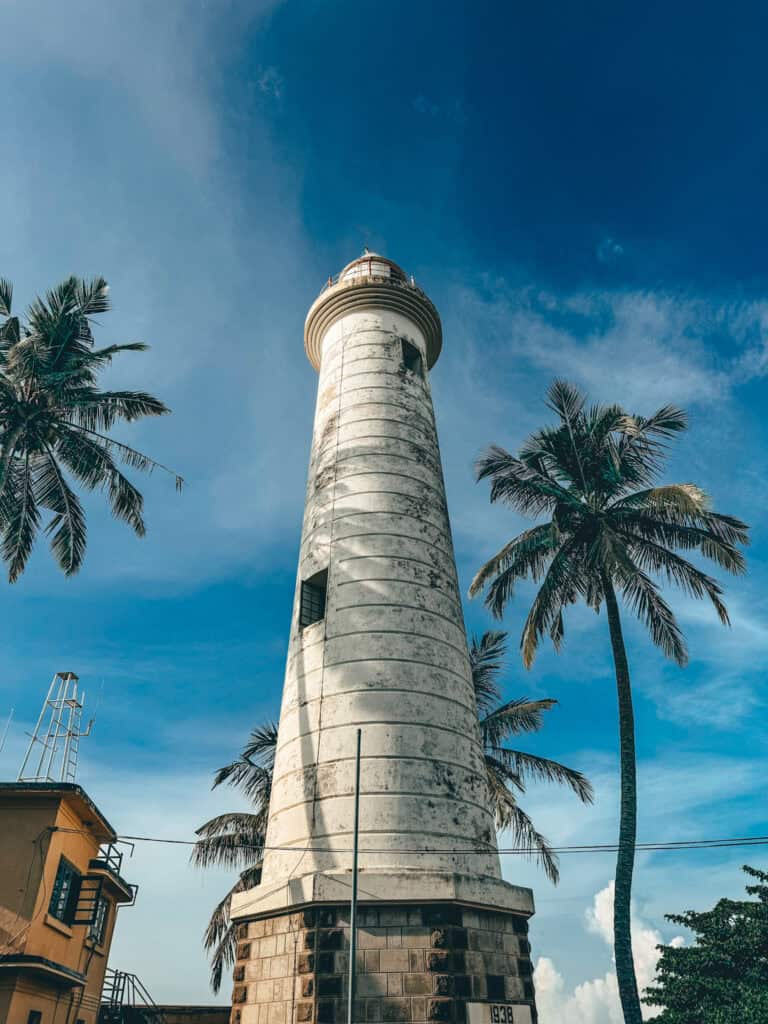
(390, 655)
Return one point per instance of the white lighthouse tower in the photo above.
(378, 644)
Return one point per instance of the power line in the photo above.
(668, 846)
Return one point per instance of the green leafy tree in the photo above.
(508, 769)
(236, 840)
(723, 977)
(55, 424)
(609, 535)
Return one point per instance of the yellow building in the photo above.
(60, 887)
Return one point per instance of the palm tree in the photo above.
(508, 770)
(602, 536)
(236, 840)
(54, 424)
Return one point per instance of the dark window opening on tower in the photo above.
(412, 358)
(312, 601)
(496, 989)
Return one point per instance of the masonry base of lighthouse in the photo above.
(430, 962)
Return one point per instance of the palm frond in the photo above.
(524, 488)
(6, 297)
(48, 396)
(564, 399)
(643, 597)
(236, 845)
(542, 769)
(513, 718)
(511, 817)
(242, 822)
(128, 455)
(220, 937)
(251, 772)
(67, 527)
(664, 424)
(682, 503)
(100, 410)
(486, 659)
(663, 531)
(525, 556)
(559, 588)
(262, 745)
(92, 296)
(20, 517)
(660, 560)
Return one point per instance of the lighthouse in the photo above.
(378, 644)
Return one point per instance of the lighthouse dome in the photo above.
(371, 264)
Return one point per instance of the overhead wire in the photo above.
(721, 842)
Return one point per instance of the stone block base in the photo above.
(430, 963)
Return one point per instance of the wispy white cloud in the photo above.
(129, 46)
(638, 347)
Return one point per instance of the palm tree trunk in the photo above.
(625, 861)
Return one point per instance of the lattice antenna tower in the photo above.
(54, 745)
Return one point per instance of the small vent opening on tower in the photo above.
(312, 602)
(412, 358)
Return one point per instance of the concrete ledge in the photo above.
(418, 887)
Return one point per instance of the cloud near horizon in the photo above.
(596, 1001)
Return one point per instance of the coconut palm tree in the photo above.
(236, 840)
(609, 534)
(55, 424)
(508, 769)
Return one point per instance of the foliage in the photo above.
(607, 529)
(236, 840)
(55, 424)
(509, 770)
(723, 977)
(583, 475)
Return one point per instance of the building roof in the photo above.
(69, 791)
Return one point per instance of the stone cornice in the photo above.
(372, 292)
(380, 887)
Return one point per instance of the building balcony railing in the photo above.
(110, 858)
(108, 864)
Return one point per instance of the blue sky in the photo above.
(581, 192)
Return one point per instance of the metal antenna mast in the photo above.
(53, 747)
(5, 730)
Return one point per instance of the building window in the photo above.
(98, 928)
(35, 1017)
(66, 890)
(412, 358)
(312, 602)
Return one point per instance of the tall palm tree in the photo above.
(605, 538)
(236, 840)
(508, 770)
(55, 422)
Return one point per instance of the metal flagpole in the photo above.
(353, 903)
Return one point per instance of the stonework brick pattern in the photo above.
(414, 964)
